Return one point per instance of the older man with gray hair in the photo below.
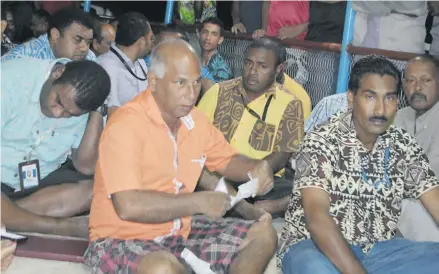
(145, 215)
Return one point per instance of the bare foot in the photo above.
(7, 253)
(266, 217)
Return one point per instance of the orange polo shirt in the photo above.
(138, 152)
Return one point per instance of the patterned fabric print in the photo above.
(187, 12)
(330, 159)
(262, 136)
(290, 131)
(209, 9)
(215, 242)
(219, 68)
(230, 109)
(37, 48)
(327, 107)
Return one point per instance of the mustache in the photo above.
(419, 95)
(380, 118)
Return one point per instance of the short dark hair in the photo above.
(174, 28)
(90, 81)
(64, 18)
(42, 14)
(434, 60)
(372, 64)
(97, 31)
(215, 21)
(131, 27)
(269, 44)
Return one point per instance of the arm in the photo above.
(291, 32)
(238, 167)
(155, 207)
(223, 158)
(330, 241)
(430, 200)
(265, 20)
(235, 12)
(84, 158)
(278, 160)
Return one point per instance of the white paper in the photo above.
(244, 191)
(10, 235)
(198, 266)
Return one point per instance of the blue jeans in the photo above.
(388, 257)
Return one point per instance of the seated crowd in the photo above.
(140, 131)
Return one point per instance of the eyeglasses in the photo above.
(254, 113)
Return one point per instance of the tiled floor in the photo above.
(36, 266)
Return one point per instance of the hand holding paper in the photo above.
(264, 175)
(11, 236)
(244, 191)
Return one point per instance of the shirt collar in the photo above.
(153, 112)
(271, 90)
(431, 112)
(123, 55)
(35, 97)
(212, 57)
(44, 39)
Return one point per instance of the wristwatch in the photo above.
(102, 110)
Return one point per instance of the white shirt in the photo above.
(124, 86)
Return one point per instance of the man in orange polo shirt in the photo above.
(145, 216)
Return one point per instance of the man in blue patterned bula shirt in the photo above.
(211, 36)
(69, 36)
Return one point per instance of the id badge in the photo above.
(29, 174)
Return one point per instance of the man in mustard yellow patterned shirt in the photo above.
(261, 119)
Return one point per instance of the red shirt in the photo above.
(53, 6)
(287, 13)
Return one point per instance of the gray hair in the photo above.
(157, 63)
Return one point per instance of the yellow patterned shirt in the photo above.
(245, 126)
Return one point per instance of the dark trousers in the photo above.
(65, 174)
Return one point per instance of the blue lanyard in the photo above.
(386, 179)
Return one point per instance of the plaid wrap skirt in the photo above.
(215, 242)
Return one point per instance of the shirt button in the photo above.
(38, 132)
(15, 175)
(24, 158)
(425, 126)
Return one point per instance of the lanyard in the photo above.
(41, 137)
(254, 113)
(128, 67)
(386, 179)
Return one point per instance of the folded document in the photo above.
(245, 191)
